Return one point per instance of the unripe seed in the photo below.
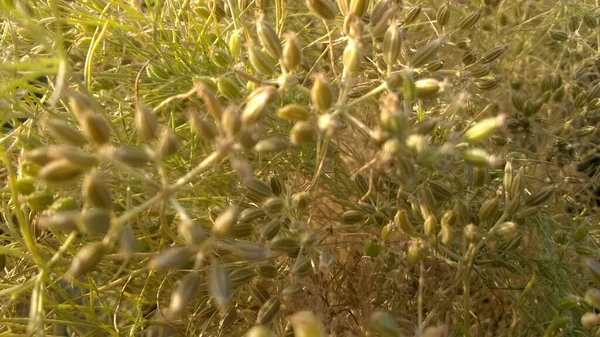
(539, 197)
(95, 128)
(294, 112)
(219, 284)
(268, 38)
(443, 15)
(40, 200)
(267, 270)
(145, 123)
(478, 72)
(256, 103)
(321, 93)
(430, 225)
(559, 35)
(324, 9)
(517, 184)
(86, 260)
(488, 209)
(259, 331)
(352, 217)
(273, 144)
(270, 230)
(590, 20)
(210, 101)
(258, 187)
(285, 244)
(64, 221)
(423, 54)
(225, 221)
(228, 87)
(449, 218)
(487, 83)
(470, 233)
(168, 144)
(302, 133)
(64, 132)
(292, 52)
(273, 205)
(447, 235)
(475, 157)
(469, 21)
(302, 266)
(220, 57)
(60, 172)
(235, 43)
(426, 88)
(402, 221)
(231, 121)
(204, 128)
(485, 128)
(95, 221)
(412, 14)
(131, 156)
(493, 54)
(260, 61)
(25, 185)
(251, 214)
(183, 294)
(96, 192)
(352, 56)
(241, 276)
(392, 43)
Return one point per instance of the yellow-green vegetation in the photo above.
(302, 168)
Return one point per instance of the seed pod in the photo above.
(478, 72)
(427, 88)
(251, 214)
(268, 37)
(300, 201)
(423, 54)
(86, 259)
(267, 270)
(225, 221)
(392, 43)
(273, 205)
(259, 331)
(517, 102)
(517, 184)
(81, 103)
(384, 324)
(475, 157)
(292, 52)
(219, 284)
(40, 200)
(25, 185)
(488, 209)
(249, 251)
(302, 133)
(268, 311)
(285, 244)
(402, 221)
(411, 15)
(95, 128)
(469, 21)
(470, 233)
(39, 156)
(508, 176)
(539, 197)
(183, 293)
(131, 156)
(168, 144)
(443, 15)
(352, 56)
(306, 324)
(204, 128)
(145, 123)
(358, 7)
(430, 225)
(96, 192)
(210, 101)
(590, 20)
(487, 83)
(293, 112)
(74, 156)
(231, 122)
(260, 61)
(321, 93)
(493, 54)
(228, 87)
(324, 9)
(276, 185)
(64, 132)
(65, 221)
(270, 230)
(171, 258)
(241, 276)
(256, 103)
(220, 57)
(352, 217)
(273, 144)
(95, 221)
(449, 218)
(485, 128)
(506, 230)
(235, 43)
(60, 172)
(559, 35)
(447, 235)
(257, 187)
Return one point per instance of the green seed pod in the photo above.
(493, 54)
(259, 291)
(447, 235)
(324, 9)
(478, 71)
(241, 276)
(25, 185)
(259, 331)
(485, 128)
(168, 144)
(64, 204)
(358, 7)
(559, 94)
(594, 104)
(60, 172)
(469, 21)
(249, 251)
(434, 66)
(273, 144)
(171, 258)
(145, 123)
(352, 56)
(40, 156)
(423, 54)
(231, 122)
(592, 297)
(506, 230)
(321, 93)
(430, 225)
(96, 192)
(183, 294)
(273, 205)
(260, 61)
(251, 214)
(74, 156)
(270, 229)
(449, 218)
(517, 102)
(294, 112)
(412, 14)
(380, 17)
(302, 266)
(540, 196)
(559, 35)
(257, 187)
(517, 184)
(86, 259)
(225, 221)
(440, 190)
(384, 324)
(302, 133)
(468, 57)
(392, 43)
(488, 209)
(81, 103)
(229, 88)
(64, 132)
(581, 232)
(256, 103)
(204, 128)
(210, 101)
(285, 244)
(402, 221)
(268, 37)
(487, 83)
(480, 175)
(235, 43)
(300, 201)
(292, 52)
(427, 88)
(528, 212)
(219, 284)
(267, 270)
(292, 291)
(590, 20)
(220, 57)
(470, 233)
(371, 248)
(95, 128)
(443, 15)
(95, 221)
(352, 217)
(306, 324)
(476, 157)
(65, 221)
(131, 156)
